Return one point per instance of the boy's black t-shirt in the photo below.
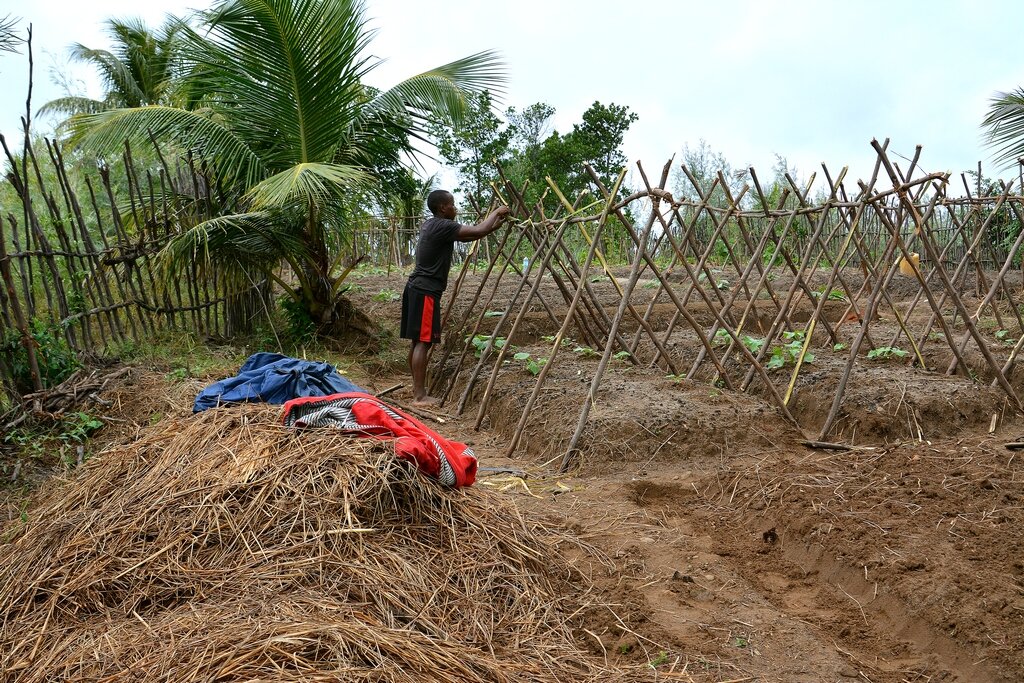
(434, 255)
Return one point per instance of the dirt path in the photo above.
(735, 571)
(728, 551)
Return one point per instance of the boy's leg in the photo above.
(418, 365)
(421, 322)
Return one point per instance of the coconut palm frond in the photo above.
(443, 91)
(9, 38)
(116, 75)
(230, 156)
(1005, 126)
(69, 106)
(311, 184)
(243, 242)
(287, 71)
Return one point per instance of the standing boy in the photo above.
(421, 300)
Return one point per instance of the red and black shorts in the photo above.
(421, 315)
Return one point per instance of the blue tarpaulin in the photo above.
(274, 378)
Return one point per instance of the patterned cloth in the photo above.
(449, 462)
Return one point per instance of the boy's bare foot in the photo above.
(427, 402)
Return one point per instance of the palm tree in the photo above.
(282, 114)
(9, 37)
(138, 70)
(1004, 125)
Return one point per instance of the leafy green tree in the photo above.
(138, 70)
(704, 163)
(600, 137)
(529, 128)
(473, 144)
(285, 121)
(596, 141)
(408, 197)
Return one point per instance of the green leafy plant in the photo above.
(369, 270)
(178, 374)
(887, 352)
(54, 356)
(61, 437)
(496, 314)
(833, 294)
(787, 354)
(585, 352)
(550, 339)
(622, 355)
(753, 344)
(662, 658)
(1004, 336)
(78, 425)
(839, 347)
(531, 364)
(387, 294)
(481, 341)
(300, 328)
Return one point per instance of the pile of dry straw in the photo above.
(223, 547)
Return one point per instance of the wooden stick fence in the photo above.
(89, 277)
(741, 268)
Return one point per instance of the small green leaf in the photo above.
(886, 352)
(522, 355)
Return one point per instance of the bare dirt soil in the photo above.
(722, 548)
(735, 553)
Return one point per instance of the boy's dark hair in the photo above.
(436, 199)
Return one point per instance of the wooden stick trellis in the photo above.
(870, 234)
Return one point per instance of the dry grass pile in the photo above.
(224, 547)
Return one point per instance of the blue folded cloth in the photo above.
(274, 378)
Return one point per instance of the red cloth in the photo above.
(450, 462)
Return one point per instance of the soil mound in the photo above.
(225, 547)
(639, 418)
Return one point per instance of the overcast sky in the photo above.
(811, 81)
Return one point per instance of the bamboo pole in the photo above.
(642, 324)
(106, 250)
(95, 285)
(634, 276)
(543, 267)
(524, 418)
(702, 260)
(593, 312)
(926, 241)
(773, 393)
